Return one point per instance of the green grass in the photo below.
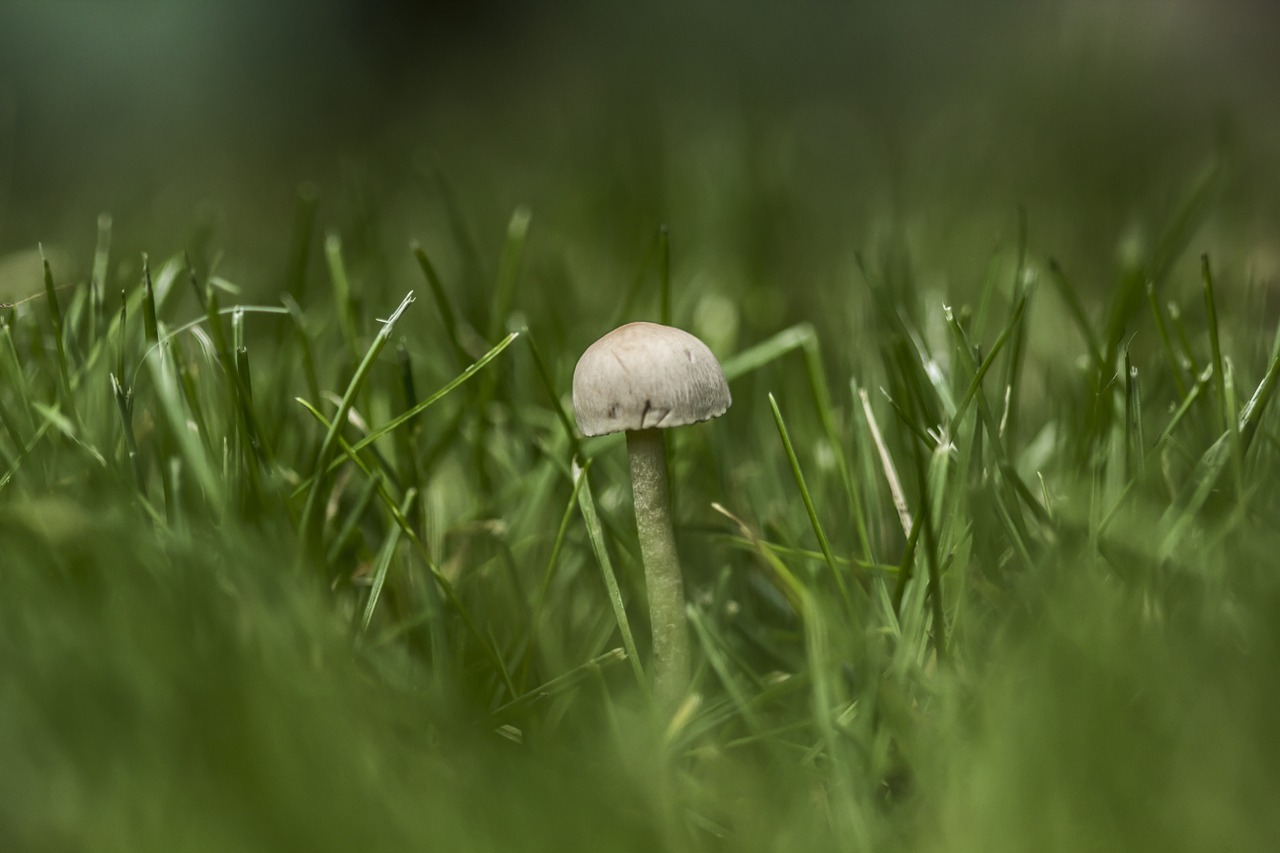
(302, 562)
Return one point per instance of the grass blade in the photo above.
(509, 270)
(768, 350)
(304, 226)
(381, 566)
(443, 306)
(55, 318)
(1225, 417)
(149, 323)
(557, 686)
(411, 414)
(1077, 312)
(595, 533)
(808, 505)
(311, 512)
(344, 307)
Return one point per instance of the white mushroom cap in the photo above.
(643, 375)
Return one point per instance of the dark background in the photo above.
(835, 122)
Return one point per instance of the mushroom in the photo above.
(642, 378)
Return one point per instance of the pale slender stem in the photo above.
(647, 453)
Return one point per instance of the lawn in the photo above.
(301, 547)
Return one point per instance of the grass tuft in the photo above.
(1024, 597)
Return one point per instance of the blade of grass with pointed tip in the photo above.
(822, 402)
(553, 559)
(1136, 437)
(226, 358)
(1004, 465)
(1224, 417)
(149, 303)
(98, 278)
(1204, 476)
(768, 350)
(190, 391)
(122, 328)
(124, 405)
(55, 318)
(1076, 309)
(43, 426)
(886, 464)
(1177, 368)
(443, 306)
(557, 686)
(595, 533)
(931, 483)
(341, 286)
(15, 435)
(304, 341)
(406, 443)
(346, 530)
(509, 270)
(818, 530)
(782, 577)
(980, 369)
(806, 554)
(1127, 430)
(197, 288)
(244, 394)
(1233, 431)
(906, 421)
(442, 580)
(1183, 338)
(311, 511)
(548, 385)
(623, 307)
(1015, 352)
(713, 645)
(168, 391)
(462, 238)
(382, 565)
(544, 586)
(1187, 217)
(17, 376)
(1201, 382)
(408, 417)
(500, 310)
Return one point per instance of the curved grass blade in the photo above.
(1215, 346)
(311, 511)
(596, 534)
(808, 505)
(773, 347)
(446, 586)
(383, 565)
(557, 686)
(548, 385)
(343, 304)
(509, 269)
(410, 414)
(55, 318)
(443, 306)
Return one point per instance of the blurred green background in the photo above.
(773, 138)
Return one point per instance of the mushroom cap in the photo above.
(642, 376)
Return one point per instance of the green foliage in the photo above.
(984, 567)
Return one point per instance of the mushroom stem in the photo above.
(646, 451)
